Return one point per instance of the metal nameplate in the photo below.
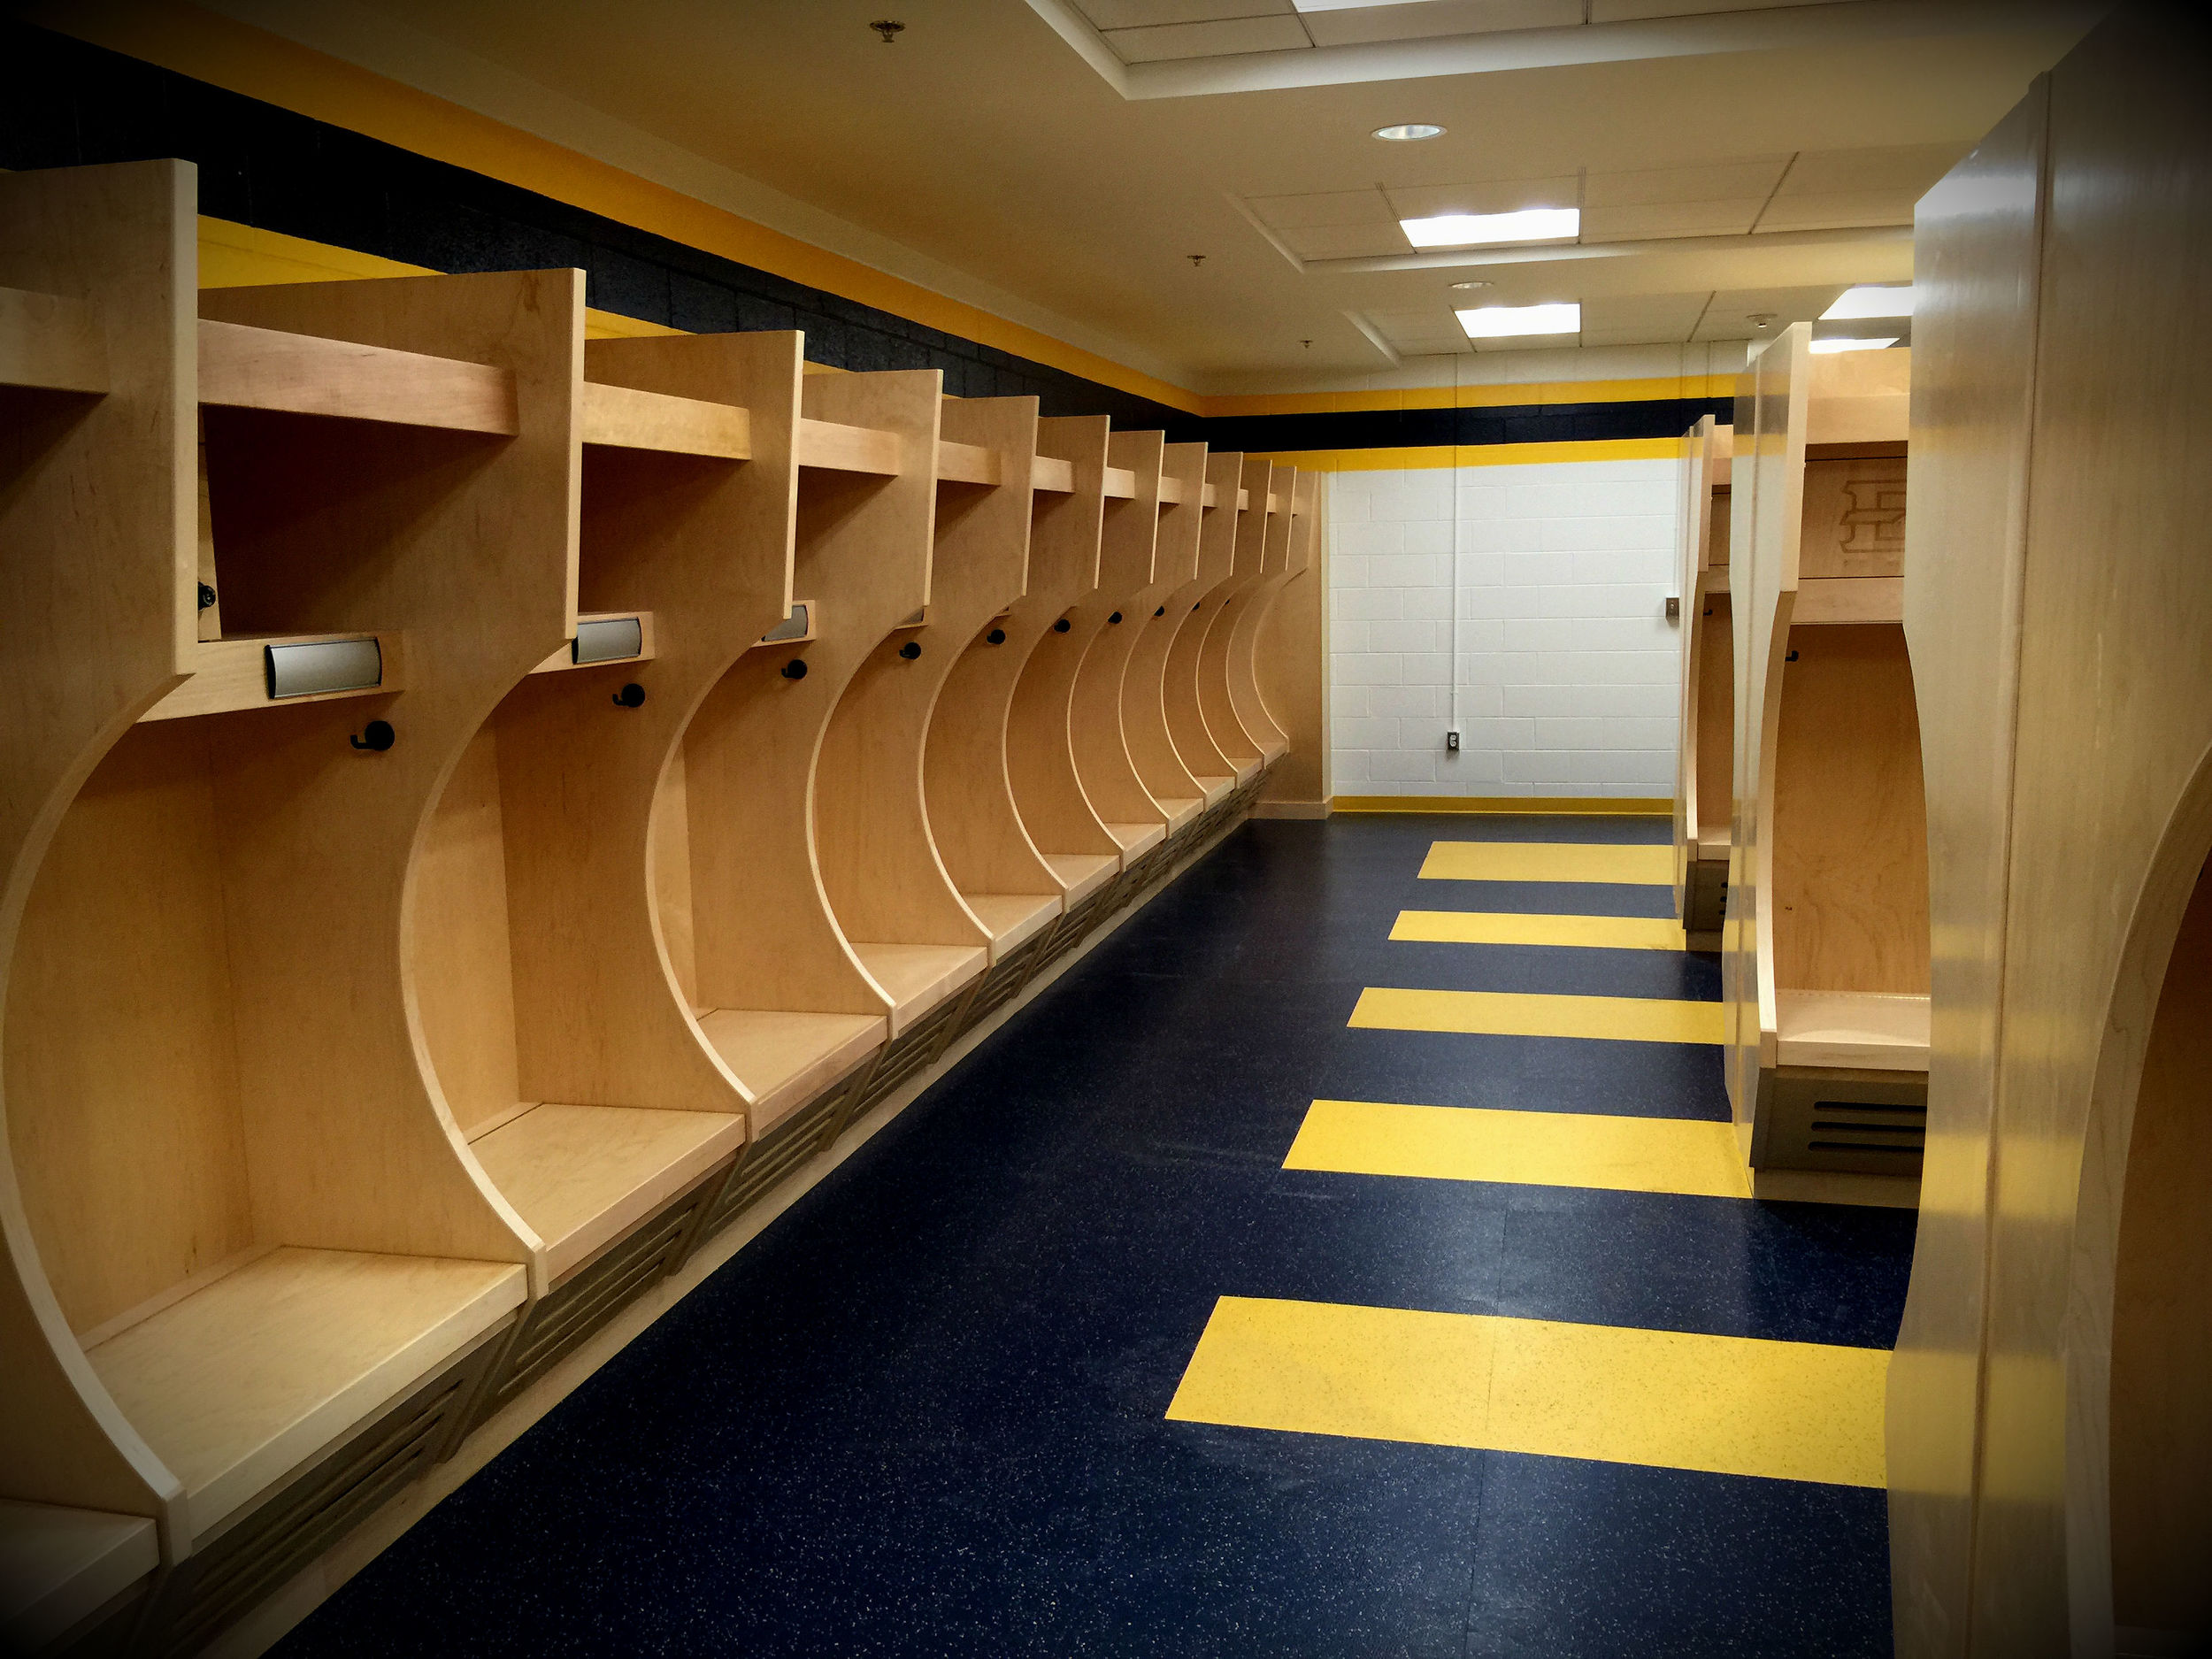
(324, 665)
(793, 626)
(609, 640)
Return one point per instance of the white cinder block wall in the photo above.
(1564, 662)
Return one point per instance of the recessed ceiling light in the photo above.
(1480, 230)
(1501, 322)
(1870, 300)
(1845, 342)
(1407, 132)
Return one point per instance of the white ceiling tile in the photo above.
(1323, 207)
(1208, 40)
(1672, 218)
(1839, 210)
(1420, 334)
(1909, 167)
(1425, 20)
(1641, 319)
(1132, 14)
(1343, 242)
(1499, 196)
(1729, 316)
(1753, 176)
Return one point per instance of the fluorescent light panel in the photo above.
(1482, 230)
(1865, 301)
(1505, 322)
(1846, 342)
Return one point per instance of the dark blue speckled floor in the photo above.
(922, 1414)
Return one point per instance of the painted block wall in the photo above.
(1566, 663)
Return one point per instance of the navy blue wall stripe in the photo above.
(65, 103)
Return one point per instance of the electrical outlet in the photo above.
(1451, 742)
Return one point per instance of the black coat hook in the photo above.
(1114, 618)
(796, 669)
(1060, 626)
(631, 696)
(996, 636)
(911, 650)
(377, 735)
(1160, 611)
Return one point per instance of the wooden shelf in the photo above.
(1170, 492)
(243, 367)
(833, 447)
(1181, 811)
(916, 977)
(1273, 751)
(623, 418)
(1084, 873)
(785, 1059)
(1712, 843)
(968, 463)
(1244, 500)
(1832, 599)
(1211, 498)
(251, 1377)
(583, 1175)
(1862, 1029)
(232, 674)
(1049, 473)
(1121, 484)
(51, 344)
(1217, 789)
(566, 658)
(59, 1566)
(1014, 918)
(1136, 838)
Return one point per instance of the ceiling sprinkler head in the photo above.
(1197, 259)
(890, 28)
(1760, 319)
(1469, 288)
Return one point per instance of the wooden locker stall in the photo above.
(552, 1008)
(777, 988)
(1125, 681)
(2050, 1457)
(1284, 555)
(1290, 664)
(1827, 918)
(887, 883)
(1190, 610)
(1258, 534)
(1704, 765)
(1053, 699)
(256, 1247)
(1065, 540)
(1006, 883)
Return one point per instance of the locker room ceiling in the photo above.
(1058, 161)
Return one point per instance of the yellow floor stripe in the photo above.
(1522, 1014)
(1666, 1399)
(1457, 1143)
(1642, 865)
(1594, 932)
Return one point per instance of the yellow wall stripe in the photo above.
(1456, 1143)
(1640, 865)
(1479, 455)
(1587, 933)
(1664, 1399)
(1534, 394)
(255, 64)
(1511, 805)
(1523, 1014)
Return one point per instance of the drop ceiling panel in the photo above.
(1840, 210)
(1344, 242)
(1208, 40)
(1500, 195)
(1670, 218)
(1425, 20)
(1420, 334)
(1913, 167)
(1323, 207)
(1755, 177)
(1729, 315)
(1132, 14)
(1640, 319)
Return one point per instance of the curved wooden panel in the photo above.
(1106, 626)
(1191, 610)
(1158, 616)
(1242, 748)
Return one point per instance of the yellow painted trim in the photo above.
(1528, 1014)
(1454, 1143)
(1534, 393)
(234, 255)
(241, 58)
(1479, 455)
(1727, 1405)
(1514, 805)
(1641, 865)
(1583, 933)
